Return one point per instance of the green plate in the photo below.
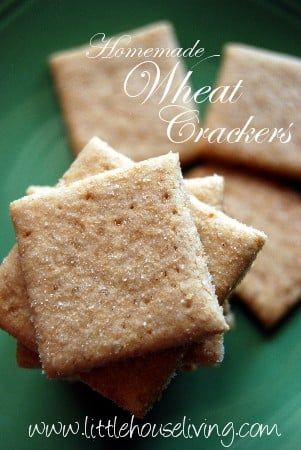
(259, 380)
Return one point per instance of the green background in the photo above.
(259, 380)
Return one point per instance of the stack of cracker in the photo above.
(121, 274)
(271, 94)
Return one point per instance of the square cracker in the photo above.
(271, 93)
(273, 286)
(95, 158)
(94, 103)
(74, 234)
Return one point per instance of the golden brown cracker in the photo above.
(94, 102)
(96, 157)
(270, 96)
(273, 286)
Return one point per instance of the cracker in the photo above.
(273, 286)
(66, 231)
(270, 93)
(94, 103)
(96, 157)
